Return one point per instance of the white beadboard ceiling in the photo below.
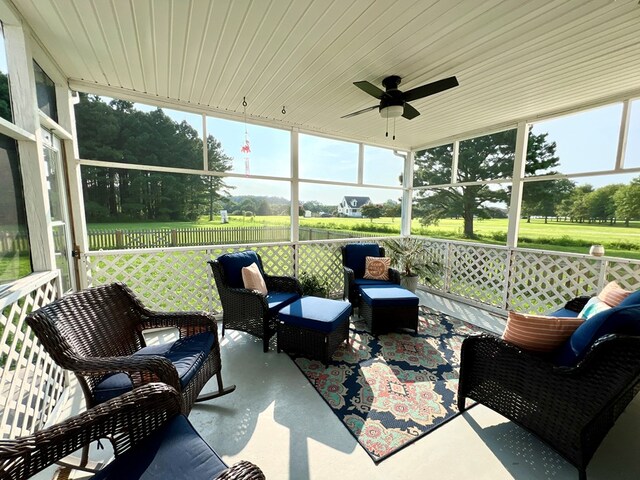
(514, 59)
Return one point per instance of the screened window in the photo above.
(15, 253)
(328, 159)
(382, 167)
(433, 166)
(5, 91)
(46, 93)
(632, 154)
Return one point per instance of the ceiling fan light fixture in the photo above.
(392, 111)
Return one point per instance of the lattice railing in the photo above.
(484, 275)
(30, 382)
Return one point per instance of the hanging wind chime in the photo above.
(246, 148)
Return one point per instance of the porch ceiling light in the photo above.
(392, 111)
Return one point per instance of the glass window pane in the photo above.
(269, 148)
(61, 255)
(333, 211)
(571, 215)
(583, 142)
(120, 131)
(46, 93)
(382, 167)
(15, 254)
(469, 212)
(632, 154)
(433, 166)
(487, 158)
(5, 91)
(327, 159)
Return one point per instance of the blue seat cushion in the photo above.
(618, 320)
(564, 312)
(392, 296)
(319, 314)
(187, 355)
(367, 282)
(355, 256)
(277, 300)
(175, 450)
(633, 299)
(232, 264)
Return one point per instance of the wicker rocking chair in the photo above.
(151, 440)
(97, 334)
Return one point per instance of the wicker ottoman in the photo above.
(313, 327)
(388, 307)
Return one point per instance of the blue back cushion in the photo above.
(232, 264)
(633, 299)
(355, 255)
(619, 320)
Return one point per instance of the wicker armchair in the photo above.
(353, 263)
(571, 409)
(142, 427)
(97, 334)
(244, 309)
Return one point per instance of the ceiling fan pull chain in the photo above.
(387, 132)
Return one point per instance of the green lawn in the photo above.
(619, 240)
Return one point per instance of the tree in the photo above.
(391, 209)
(479, 159)
(575, 206)
(5, 98)
(601, 204)
(627, 200)
(372, 210)
(543, 198)
(218, 161)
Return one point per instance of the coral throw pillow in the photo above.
(377, 268)
(252, 279)
(539, 333)
(613, 294)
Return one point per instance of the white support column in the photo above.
(205, 144)
(66, 118)
(25, 113)
(295, 187)
(516, 188)
(624, 134)
(407, 195)
(454, 162)
(360, 163)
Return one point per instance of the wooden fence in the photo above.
(100, 239)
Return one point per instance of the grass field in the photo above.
(619, 240)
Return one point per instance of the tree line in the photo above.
(118, 132)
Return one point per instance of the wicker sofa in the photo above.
(97, 334)
(151, 440)
(570, 407)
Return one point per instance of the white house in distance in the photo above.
(352, 206)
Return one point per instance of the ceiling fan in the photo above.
(393, 102)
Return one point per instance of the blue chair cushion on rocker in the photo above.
(172, 452)
(232, 264)
(355, 256)
(187, 355)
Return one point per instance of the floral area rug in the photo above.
(392, 390)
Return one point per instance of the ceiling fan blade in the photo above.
(370, 88)
(410, 112)
(360, 111)
(430, 89)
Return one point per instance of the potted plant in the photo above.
(312, 285)
(409, 256)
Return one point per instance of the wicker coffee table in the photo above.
(388, 307)
(313, 327)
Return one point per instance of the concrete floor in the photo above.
(276, 420)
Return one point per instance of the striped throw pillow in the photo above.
(539, 333)
(613, 294)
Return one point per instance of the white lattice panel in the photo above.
(325, 261)
(31, 383)
(626, 273)
(477, 272)
(544, 281)
(437, 252)
(167, 280)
